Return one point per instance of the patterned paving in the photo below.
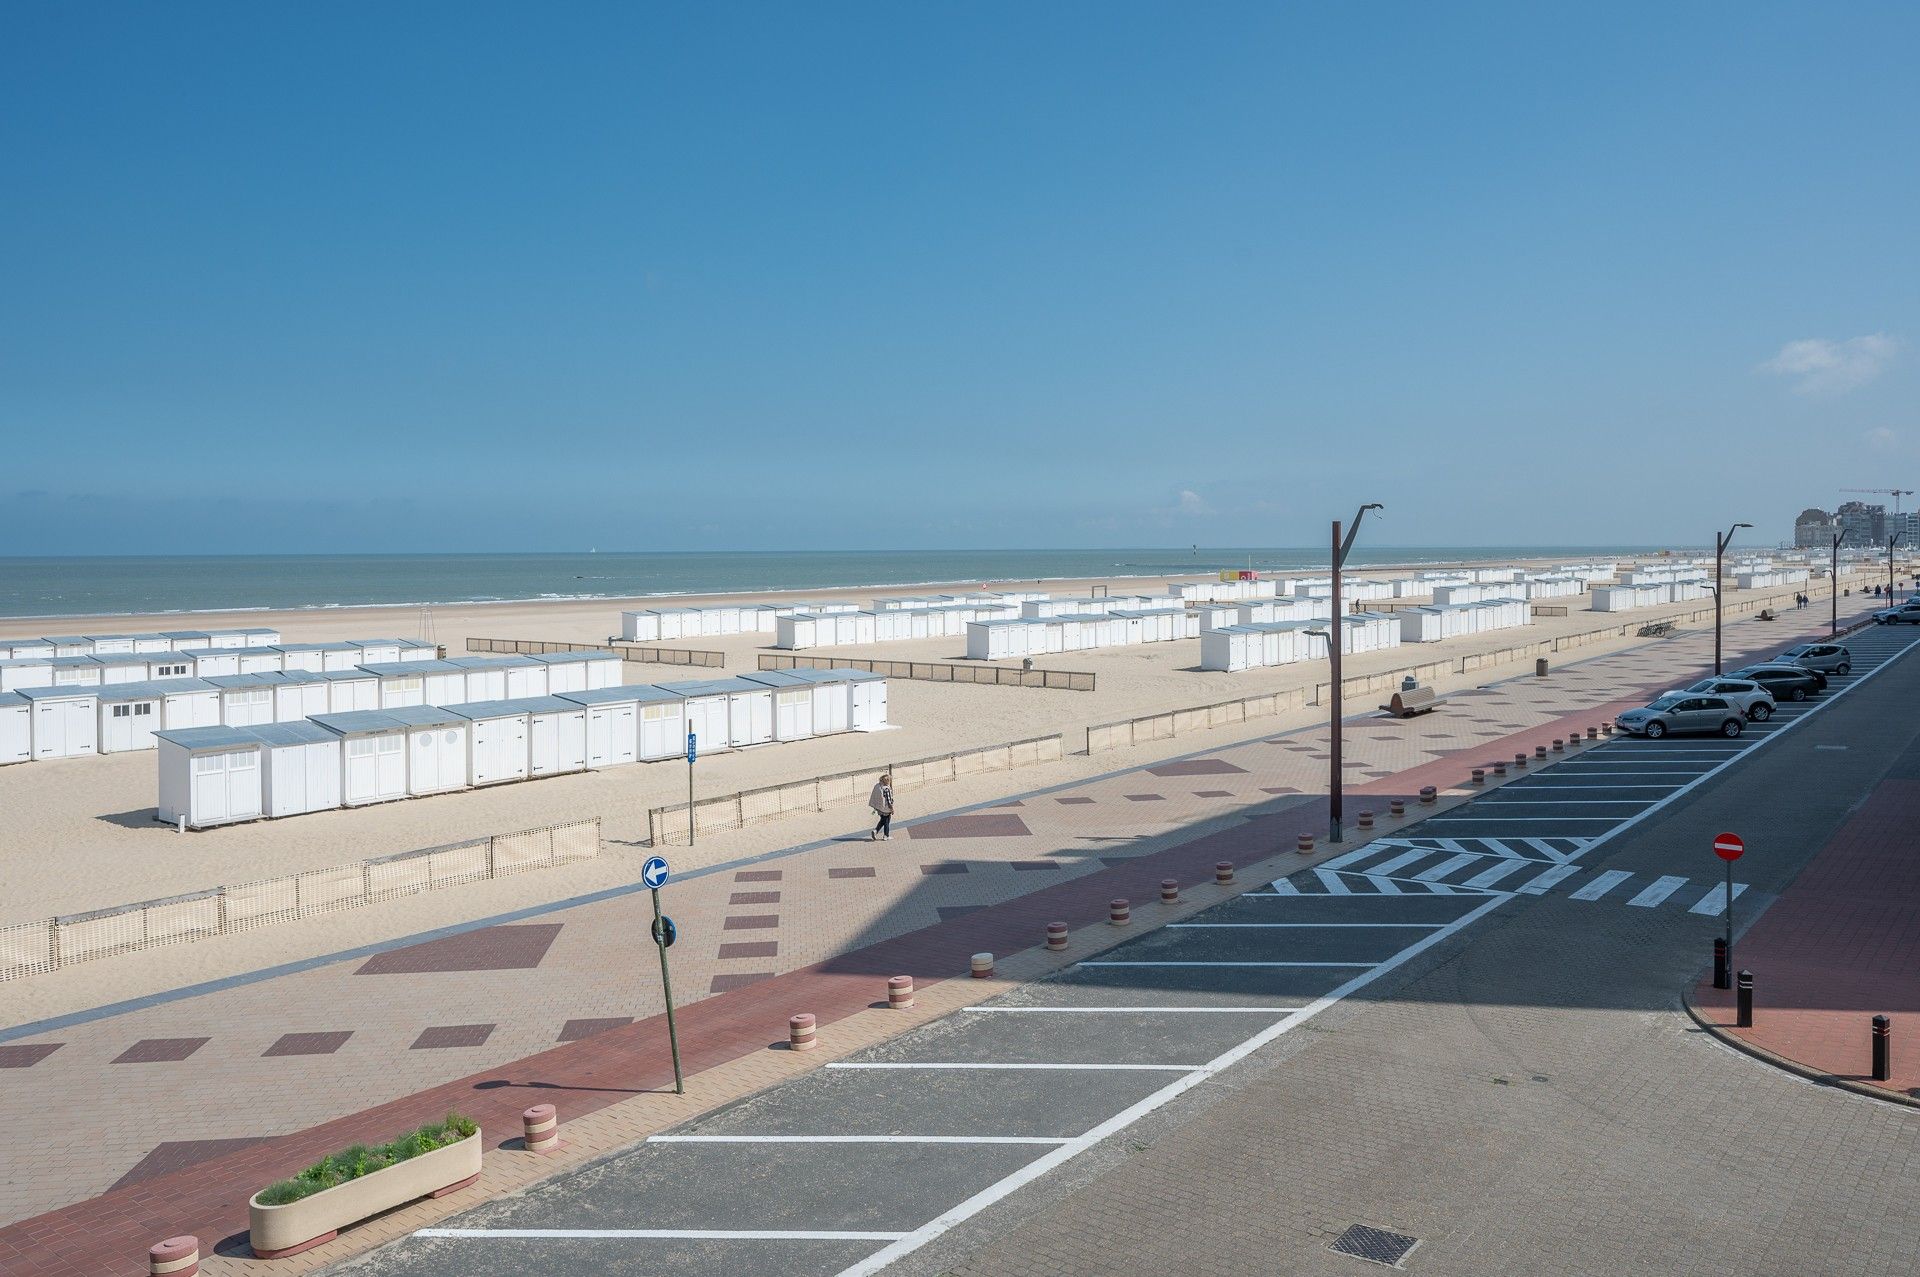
(512, 948)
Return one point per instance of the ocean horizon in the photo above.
(51, 587)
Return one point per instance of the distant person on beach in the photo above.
(881, 800)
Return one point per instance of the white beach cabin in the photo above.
(436, 749)
(300, 694)
(351, 689)
(640, 627)
(26, 672)
(373, 756)
(706, 713)
(486, 678)
(663, 723)
(246, 700)
(792, 702)
(16, 728)
(208, 776)
(211, 662)
(556, 736)
(130, 713)
(299, 768)
(613, 724)
(66, 721)
(496, 741)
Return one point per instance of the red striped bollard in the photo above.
(1119, 913)
(1606, 729)
(1520, 762)
(1304, 844)
(1559, 745)
(981, 966)
(900, 992)
(175, 1257)
(800, 1033)
(1593, 733)
(540, 1125)
(1169, 891)
(1429, 795)
(1539, 751)
(1056, 936)
(1366, 820)
(1223, 873)
(1499, 769)
(1396, 807)
(1479, 776)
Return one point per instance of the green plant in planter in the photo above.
(359, 1159)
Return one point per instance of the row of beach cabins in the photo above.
(221, 775)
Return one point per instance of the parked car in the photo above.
(1828, 658)
(1908, 612)
(1684, 712)
(1786, 682)
(1755, 701)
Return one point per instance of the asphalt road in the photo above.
(1467, 1036)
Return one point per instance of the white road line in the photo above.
(1659, 891)
(1358, 853)
(1447, 866)
(1531, 788)
(1568, 802)
(856, 1139)
(1332, 882)
(1547, 881)
(1601, 885)
(1487, 877)
(1519, 820)
(1127, 1117)
(1215, 926)
(984, 1064)
(664, 1234)
(1714, 903)
(1401, 861)
(1142, 1010)
(1385, 886)
(1218, 964)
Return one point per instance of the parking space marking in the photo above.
(1222, 926)
(858, 1139)
(988, 1064)
(1138, 1010)
(1446, 867)
(1659, 891)
(1714, 903)
(1547, 881)
(663, 1234)
(1144, 963)
(1487, 877)
(1602, 884)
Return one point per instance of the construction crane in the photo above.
(1895, 493)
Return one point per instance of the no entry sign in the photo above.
(1729, 847)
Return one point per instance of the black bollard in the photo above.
(1721, 979)
(1882, 1048)
(1744, 994)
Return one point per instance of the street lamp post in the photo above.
(1833, 579)
(1720, 544)
(1335, 630)
(1891, 542)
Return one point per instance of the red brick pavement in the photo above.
(1839, 947)
(109, 1234)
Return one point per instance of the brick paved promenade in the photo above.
(164, 1117)
(1840, 946)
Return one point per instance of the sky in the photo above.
(474, 277)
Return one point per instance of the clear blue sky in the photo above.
(454, 276)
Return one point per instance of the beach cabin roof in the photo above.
(301, 733)
(411, 669)
(66, 639)
(639, 693)
(187, 636)
(336, 675)
(65, 692)
(153, 689)
(516, 705)
(423, 716)
(201, 739)
(359, 722)
(711, 687)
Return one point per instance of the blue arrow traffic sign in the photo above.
(693, 746)
(654, 872)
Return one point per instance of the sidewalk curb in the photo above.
(1869, 1090)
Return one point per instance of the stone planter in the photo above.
(277, 1231)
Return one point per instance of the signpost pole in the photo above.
(692, 750)
(1729, 915)
(1729, 847)
(666, 987)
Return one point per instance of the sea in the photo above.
(54, 587)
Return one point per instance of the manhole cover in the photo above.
(1375, 1245)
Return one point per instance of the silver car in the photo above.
(1755, 701)
(1828, 658)
(1684, 712)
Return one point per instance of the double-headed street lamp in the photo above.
(1720, 544)
(1833, 579)
(1335, 630)
(1891, 542)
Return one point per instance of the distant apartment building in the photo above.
(1813, 530)
(1906, 527)
(1862, 524)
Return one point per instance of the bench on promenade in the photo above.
(1419, 700)
(1656, 629)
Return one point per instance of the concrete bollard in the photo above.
(900, 992)
(1428, 794)
(1520, 762)
(1396, 807)
(981, 966)
(1223, 873)
(1882, 1048)
(1593, 733)
(1500, 769)
(176, 1257)
(1304, 844)
(1366, 820)
(1056, 936)
(1559, 745)
(1606, 729)
(800, 1033)
(1539, 751)
(1169, 891)
(540, 1125)
(1479, 776)
(1119, 913)
(1743, 1000)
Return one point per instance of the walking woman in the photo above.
(881, 800)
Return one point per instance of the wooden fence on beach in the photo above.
(627, 651)
(936, 671)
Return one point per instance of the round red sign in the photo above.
(1729, 847)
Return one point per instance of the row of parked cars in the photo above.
(1726, 703)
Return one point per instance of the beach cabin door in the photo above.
(612, 735)
(869, 705)
(226, 786)
(499, 749)
(128, 725)
(376, 768)
(663, 732)
(16, 733)
(435, 761)
(62, 729)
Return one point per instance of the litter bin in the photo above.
(1540, 668)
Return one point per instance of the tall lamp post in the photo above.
(1334, 632)
(1720, 544)
(1833, 579)
(1891, 542)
